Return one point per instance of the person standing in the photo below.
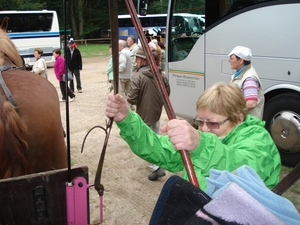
(39, 66)
(158, 51)
(152, 47)
(145, 94)
(69, 38)
(163, 56)
(109, 72)
(133, 47)
(74, 64)
(247, 79)
(59, 70)
(125, 68)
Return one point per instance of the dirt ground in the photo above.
(129, 197)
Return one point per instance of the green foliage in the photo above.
(96, 19)
(22, 5)
(158, 7)
(95, 13)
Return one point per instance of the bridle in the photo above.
(6, 90)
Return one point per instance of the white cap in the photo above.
(242, 52)
(152, 45)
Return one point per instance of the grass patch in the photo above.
(93, 50)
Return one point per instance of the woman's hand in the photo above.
(116, 107)
(182, 135)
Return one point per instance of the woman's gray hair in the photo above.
(123, 43)
(133, 38)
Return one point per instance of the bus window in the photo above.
(226, 7)
(186, 29)
(29, 23)
(181, 48)
(240, 4)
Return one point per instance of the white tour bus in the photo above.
(33, 29)
(270, 28)
(183, 22)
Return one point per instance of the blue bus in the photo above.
(153, 25)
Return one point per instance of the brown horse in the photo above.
(31, 132)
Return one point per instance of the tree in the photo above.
(159, 6)
(22, 5)
(86, 18)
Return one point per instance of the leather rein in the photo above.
(4, 86)
(113, 8)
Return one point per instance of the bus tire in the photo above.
(282, 116)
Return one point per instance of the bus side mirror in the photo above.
(142, 7)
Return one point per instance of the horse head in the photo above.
(8, 51)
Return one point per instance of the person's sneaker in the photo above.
(80, 91)
(62, 100)
(156, 174)
(72, 99)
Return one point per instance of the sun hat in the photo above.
(242, 52)
(140, 53)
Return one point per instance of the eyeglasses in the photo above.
(210, 125)
(231, 58)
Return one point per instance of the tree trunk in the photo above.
(80, 17)
(73, 20)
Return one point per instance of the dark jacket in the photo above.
(76, 61)
(146, 95)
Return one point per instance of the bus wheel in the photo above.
(282, 116)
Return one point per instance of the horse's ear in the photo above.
(4, 24)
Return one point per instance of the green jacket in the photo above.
(109, 69)
(249, 143)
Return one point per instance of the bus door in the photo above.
(217, 67)
(186, 72)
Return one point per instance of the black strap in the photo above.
(4, 86)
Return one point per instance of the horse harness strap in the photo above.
(4, 86)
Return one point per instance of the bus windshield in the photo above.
(33, 29)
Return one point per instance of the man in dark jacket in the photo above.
(74, 63)
(145, 94)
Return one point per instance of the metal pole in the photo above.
(67, 98)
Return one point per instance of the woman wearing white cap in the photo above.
(247, 79)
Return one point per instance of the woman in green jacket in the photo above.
(227, 137)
